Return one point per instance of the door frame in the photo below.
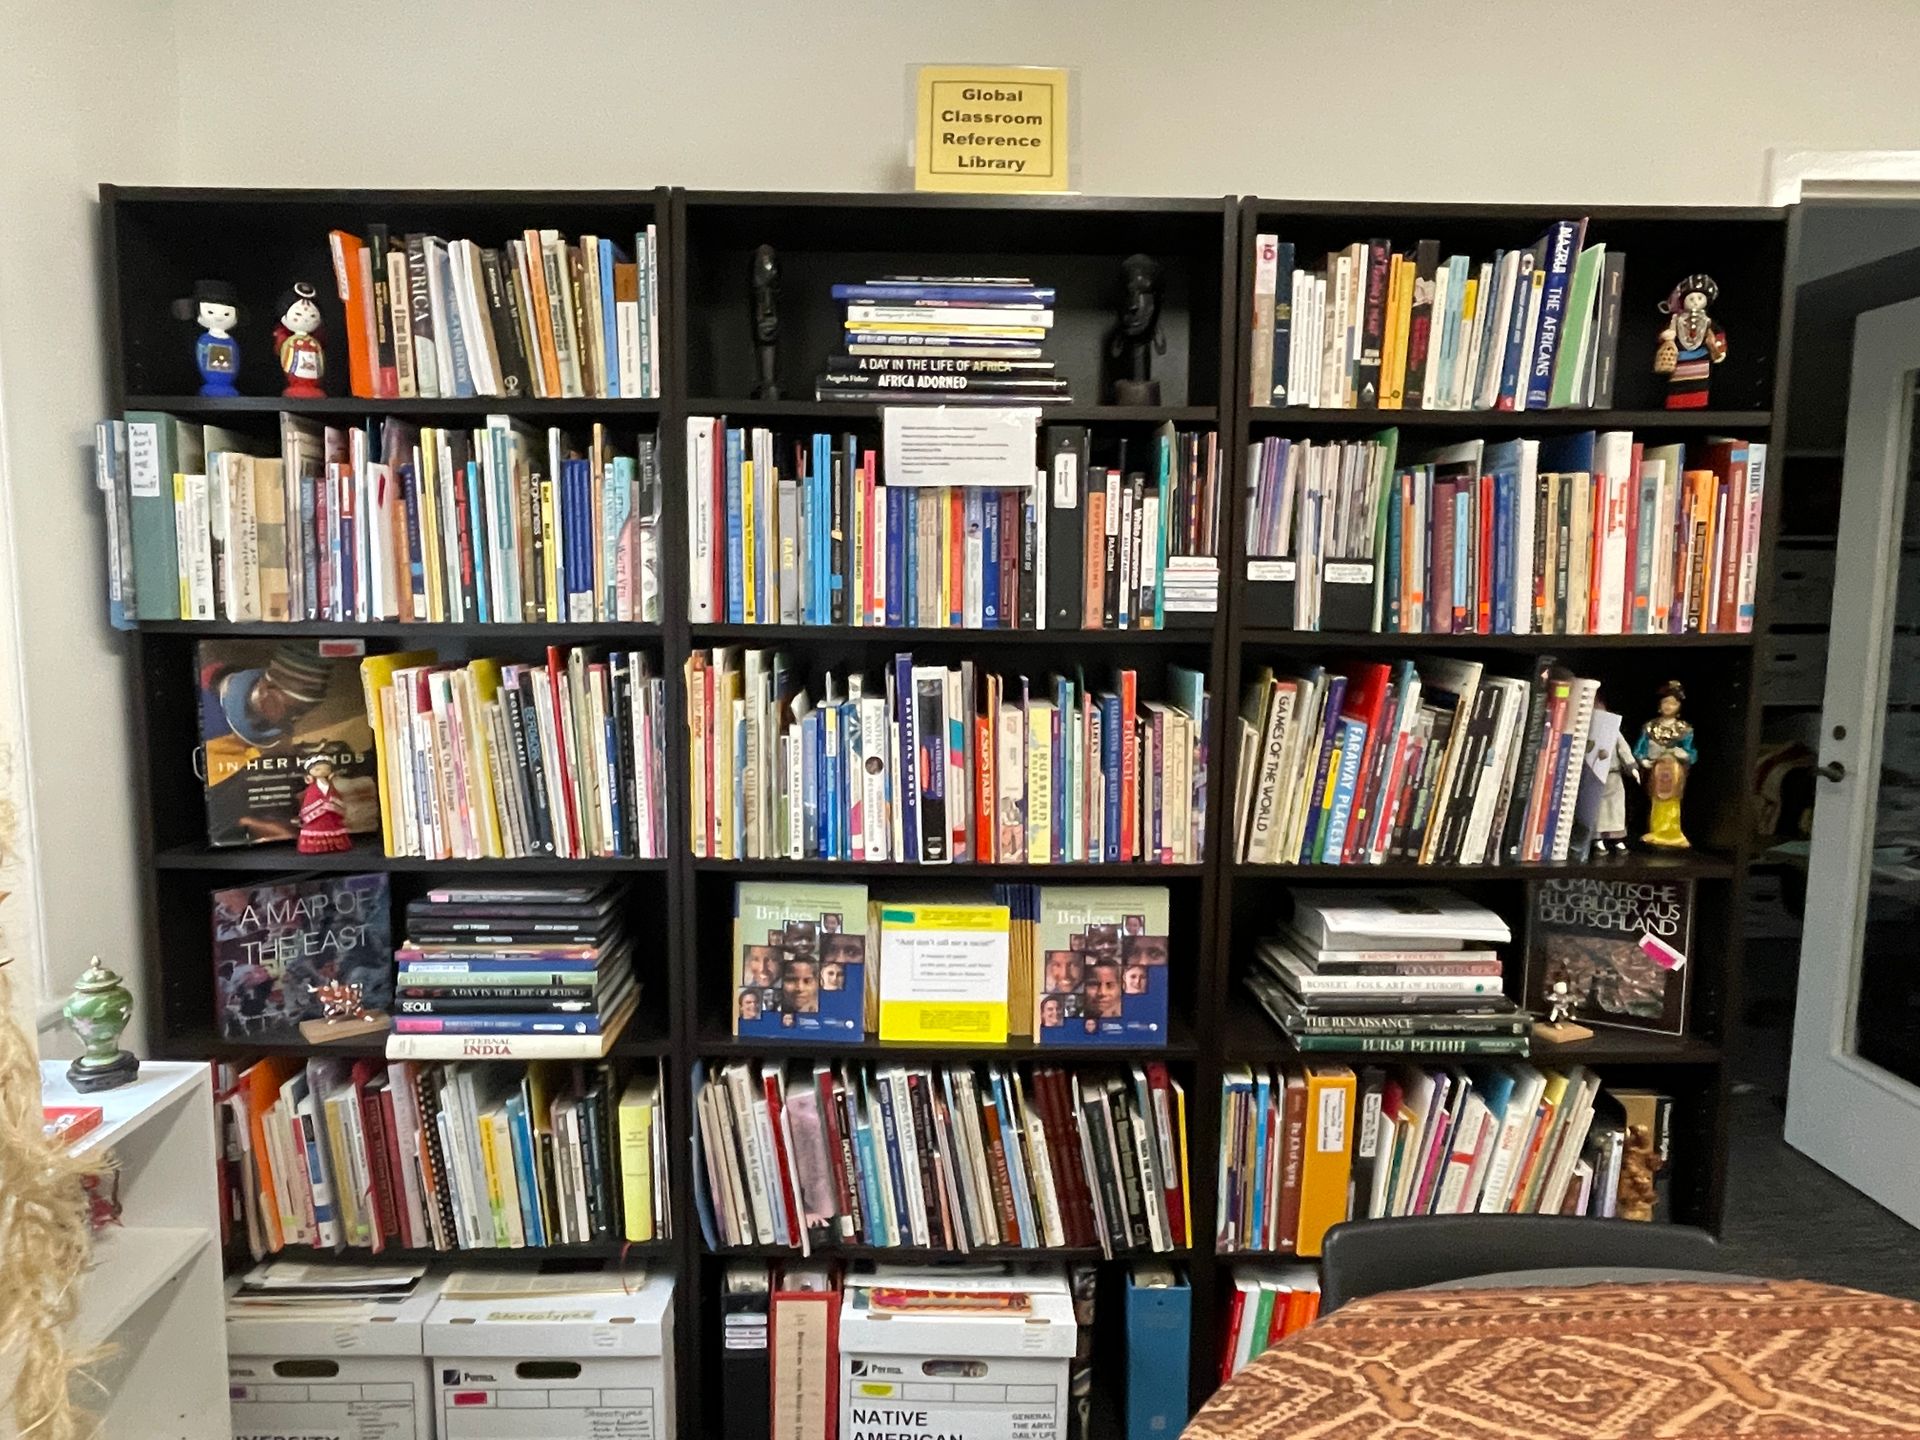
(1854, 1118)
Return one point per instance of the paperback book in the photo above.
(800, 961)
(1103, 964)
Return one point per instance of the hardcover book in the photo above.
(268, 710)
(275, 944)
(1103, 978)
(800, 961)
(1621, 947)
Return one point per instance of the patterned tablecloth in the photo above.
(1594, 1362)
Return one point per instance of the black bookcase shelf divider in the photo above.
(158, 241)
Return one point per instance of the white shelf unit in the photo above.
(153, 1293)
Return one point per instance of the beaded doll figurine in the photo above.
(1691, 345)
(1666, 753)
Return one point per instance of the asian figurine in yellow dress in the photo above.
(1666, 753)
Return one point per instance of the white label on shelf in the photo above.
(987, 445)
(1348, 572)
(1332, 1130)
(1271, 569)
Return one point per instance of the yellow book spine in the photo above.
(749, 611)
(636, 1168)
(1327, 1166)
(1399, 293)
(1040, 785)
(179, 521)
(483, 679)
(426, 485)
(346, 1196)
(550, 540)
(495, 1197)
(1186, 1179)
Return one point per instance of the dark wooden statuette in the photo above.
(763, 290)
(1136, 333)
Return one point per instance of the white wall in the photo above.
(87, 93)
(1413, 99)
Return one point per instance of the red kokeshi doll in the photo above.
(323, 814)
(296, 340)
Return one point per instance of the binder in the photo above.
(1068, 454)
(805, 1314)
(745, 1358)
(1328, 1164)
(1159, 1309)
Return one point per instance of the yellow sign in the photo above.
(991, 128)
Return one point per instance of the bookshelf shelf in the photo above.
(922, 1254)
(366, 855)
(870, 410)
(903, 637)
(494, 1258)
(158, 241)
(349, 407)
(568, 633)
(1136, 874)
(1547, 421)
(1348, 641)
(1638, 865)
(1180, 1046)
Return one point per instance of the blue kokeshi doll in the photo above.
(214, 309)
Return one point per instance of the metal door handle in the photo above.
(1833, 770)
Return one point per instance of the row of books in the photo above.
(1059, 964)
(335, 1153)
(1405, 972)
(1267, 1304)
(387, 521)
(953, 1157)
(1579, 534)
(935, 765)
(1432, 760)
(944, 338)
(540, 316)
(497, 760)
(1429, 1140)
(794, 531)
(1530, 329)
(522, 971)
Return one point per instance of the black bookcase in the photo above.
(159, 241)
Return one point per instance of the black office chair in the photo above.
(1365, 1257)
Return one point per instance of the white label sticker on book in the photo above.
(1332, 1130)
(1271, 569)
(143, 461)
(1066, 481)
(1348, 572)
(987, 445)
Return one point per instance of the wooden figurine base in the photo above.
(322, 1032)
(1563, 1033)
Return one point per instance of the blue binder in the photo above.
(1159, 1328)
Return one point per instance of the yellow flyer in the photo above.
(991, 128)
(943, 973)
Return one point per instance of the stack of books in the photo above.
(527, 971)
(944, 339)
(494, 760)
(804, 531)
(1269, 1303)
(387, 521)
(537, 317)
(1433, 761)
(955, 1157)
(1502, 1139)
(1531, 329)
(1389, 972)
(356, 1153)
(934, 765)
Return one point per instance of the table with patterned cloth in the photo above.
(1591, 1362)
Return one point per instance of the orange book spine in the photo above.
(1327, 1166)
(985, 787)
(349, 254)
(542, 317)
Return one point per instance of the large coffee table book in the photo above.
(597, 591)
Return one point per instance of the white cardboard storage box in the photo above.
(573, 1365)
(351, 1369)
(962, 1376)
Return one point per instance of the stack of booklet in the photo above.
(1407, 972)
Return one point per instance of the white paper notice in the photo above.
(987, 445)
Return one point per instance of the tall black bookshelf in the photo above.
(158, 241)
